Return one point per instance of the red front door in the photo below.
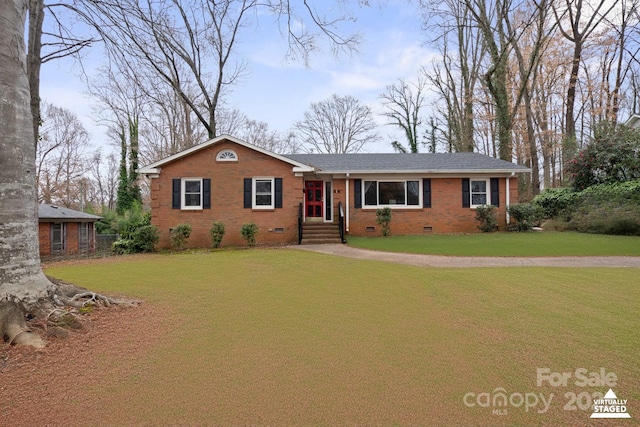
(314, 198)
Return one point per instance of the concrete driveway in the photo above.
(466, 262)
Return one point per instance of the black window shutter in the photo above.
(466, 193)
(247, 193)
(206, 193)
(357, 193)
(495, 192)
(175, 193)
(426, 192)
(278, 192)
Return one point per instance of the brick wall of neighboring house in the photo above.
(446, 214)
(276, 226)
(71, 236)
(44, 238)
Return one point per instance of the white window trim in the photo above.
(183, 194)
(487, 191)
(254, 193)
(227, 156)
(405, 206)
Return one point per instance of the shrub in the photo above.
(621, 192)
(179, 235)
(136, 233)
(608, 218)
(610, 156)
(524, 216)
(249, 231)
(486, 216)
(555, 202)
(383, 217)
(217, 233)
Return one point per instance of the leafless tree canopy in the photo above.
(403, 101)
(336, 125)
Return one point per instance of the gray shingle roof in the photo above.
(46, 211)
(414, 162)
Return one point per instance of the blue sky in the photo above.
(278, 91)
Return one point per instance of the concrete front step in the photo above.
(320, 233)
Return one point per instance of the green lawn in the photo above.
(505, 244)
(286, 337)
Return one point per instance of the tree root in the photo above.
(59, 309)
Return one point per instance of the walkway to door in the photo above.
(464, 262)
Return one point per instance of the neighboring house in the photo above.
(231, 181)
(65, 231)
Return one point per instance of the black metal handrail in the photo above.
(300, 224)
(341, 222)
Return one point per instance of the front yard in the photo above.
(286, 337)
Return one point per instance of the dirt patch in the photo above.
(43, 387)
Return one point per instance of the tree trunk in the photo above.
(34, 61)
(20, 272)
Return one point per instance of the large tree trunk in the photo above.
(20, 272)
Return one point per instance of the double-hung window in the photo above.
(479, 192)
(392, 193)
(191, 193)
(263, 193)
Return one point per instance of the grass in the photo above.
(285, 337)
(506, 244)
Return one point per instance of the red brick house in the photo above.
(231, 181)
(65, 231)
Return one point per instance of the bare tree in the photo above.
(569, 15)
(102, 181)
(336, 125)
(47, 46)
(60, 157)
(191, 46)
(402, 102)
(455, 76)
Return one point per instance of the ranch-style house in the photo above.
(302, 198)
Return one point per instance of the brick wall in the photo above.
(446, 214)
(276, 226)
(71, 231)
(279, 226)
(44, 238)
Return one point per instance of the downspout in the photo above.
(346, 202)
(508, 198)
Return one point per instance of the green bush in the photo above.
(136, 234)
(216, 233)
(555, 202)
(486, 216)
(179, 235)
(607, 218)
(383, 217)
(622, 192)
(248, 232)
(524, 216)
